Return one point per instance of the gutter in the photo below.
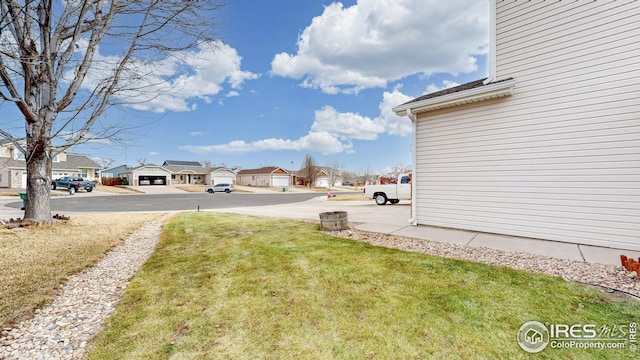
(414, 174)
(491, 91)
(491, 76)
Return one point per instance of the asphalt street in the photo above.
(167, 202)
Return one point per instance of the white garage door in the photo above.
(280, 180)
(222, 180)
(322, 182)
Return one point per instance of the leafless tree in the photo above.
(334, 172)
(104, 163)
(366, 176)
(51, 69)
(394, 171)
(308, 171)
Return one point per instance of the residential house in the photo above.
(266, 176)
(13, 167)
(114, 172)
(186, 172)
(548, 146)
(172, 173)
(324, 177)
(148, 175)
(114, 176)
(221, 175)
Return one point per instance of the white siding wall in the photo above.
(255, 180)
(560, 159)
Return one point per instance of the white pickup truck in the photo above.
(392, 193)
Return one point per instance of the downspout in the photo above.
(414, 174)
(491, 61)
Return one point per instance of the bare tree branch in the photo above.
(52, 67)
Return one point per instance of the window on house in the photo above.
(83, 173)
(56, 159)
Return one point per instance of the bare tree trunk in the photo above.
(39, 162)
(38, 183)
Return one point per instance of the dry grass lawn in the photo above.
(350, 197)
(191, 188)
(115, 189)
(34, 261)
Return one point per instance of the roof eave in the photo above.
(483, 93)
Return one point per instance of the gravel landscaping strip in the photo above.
(607, 276)
(64, 328)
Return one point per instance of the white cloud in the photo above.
(321, 142)
(376, 41)
(347, 125)
(332, 132)
(197, 133)
(171, 84)
(394, 124)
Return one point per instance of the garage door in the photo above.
(322, 182)
(280, 180)
(222, 180)
(152, 180)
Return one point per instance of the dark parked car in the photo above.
(227, 188)
(72, 183)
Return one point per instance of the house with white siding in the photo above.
(173, 172)
(268, 176)
(13, 167)
(548, 146)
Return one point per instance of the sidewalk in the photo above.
(393, 220)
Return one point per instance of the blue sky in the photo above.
(291, 77)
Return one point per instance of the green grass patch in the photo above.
(227, 286)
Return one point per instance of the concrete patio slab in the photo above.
(459, 237)
(606, 255)
(380, 228)
(531, 246)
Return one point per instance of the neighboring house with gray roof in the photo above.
(114, 172)
(265, 176)
(13, 167)
(548, 146)
(173, 173)
(181, 163)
